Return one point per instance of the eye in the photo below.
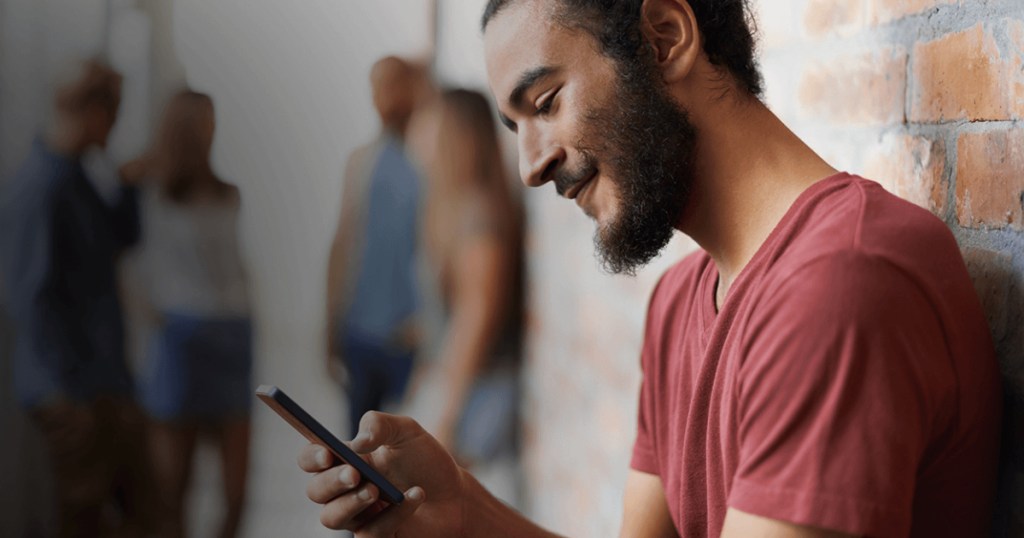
(548, 100)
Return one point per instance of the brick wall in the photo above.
(924, 96)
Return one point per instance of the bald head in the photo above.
(395, 83)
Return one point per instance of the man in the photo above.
(371, 291)
(821, 368)
(70, 372)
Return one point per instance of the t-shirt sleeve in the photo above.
(644, 455)
(839, 391)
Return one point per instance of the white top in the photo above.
(190, 257)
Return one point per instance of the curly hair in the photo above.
(727, 27)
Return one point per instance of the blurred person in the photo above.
(466, 389)
(62, 244)
(822, 367)
(200, 358)
(371, 277)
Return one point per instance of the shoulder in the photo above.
(361, 157)
(364, 152)
(38, 183)
(848, 275)
(854, 220)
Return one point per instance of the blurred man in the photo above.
(70, 371)
(371, 291)
(821, 368)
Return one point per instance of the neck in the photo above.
(396, 130)
(749, 170)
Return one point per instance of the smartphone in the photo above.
(316, 433)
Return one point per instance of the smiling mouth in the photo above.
(573, 192)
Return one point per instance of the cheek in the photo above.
(605, 200)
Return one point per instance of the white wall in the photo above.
(290, 85)
(290, 82)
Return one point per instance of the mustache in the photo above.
(564, 178)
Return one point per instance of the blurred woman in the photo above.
(200, 358)
(467, 388)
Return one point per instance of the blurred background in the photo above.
(926, 97)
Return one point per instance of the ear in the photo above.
(671, 29)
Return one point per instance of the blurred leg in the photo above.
(234, 453)
(81, 474)
(172, 447)
(134, 475)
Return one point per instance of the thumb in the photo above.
(378, 429)
(386, 524)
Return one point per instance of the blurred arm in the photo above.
(342, 245)
(33, 279)
(480, 281)
(645, 513)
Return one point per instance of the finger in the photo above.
(342, 512)
(314, 458)
(378, 429)
(327, 485)
(386, 524)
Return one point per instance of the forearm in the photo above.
(336, 277)
(463, 357)
(486, 516)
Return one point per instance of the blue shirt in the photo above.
(60, 248)
(385, 293)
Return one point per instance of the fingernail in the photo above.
(361, 438)
(345, 477)
(321, 458)
(364, 494)
(415, 494)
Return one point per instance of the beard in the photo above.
(647, 143)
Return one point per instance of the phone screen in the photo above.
(316, 433)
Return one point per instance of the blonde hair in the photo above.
(469, 193)
(469, 160)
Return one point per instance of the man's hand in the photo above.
(412, 460)
(133, 173)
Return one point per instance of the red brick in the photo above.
(883, 11)
(913, 168)
(833, 16)
(992, 274)
(990, 179)
(865, 88)
(965, 76)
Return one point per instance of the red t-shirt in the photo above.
(849, 381)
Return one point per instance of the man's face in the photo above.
(393, 97)
(605, 132)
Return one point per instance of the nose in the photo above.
(539, 158)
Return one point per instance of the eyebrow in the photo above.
(525, 82)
